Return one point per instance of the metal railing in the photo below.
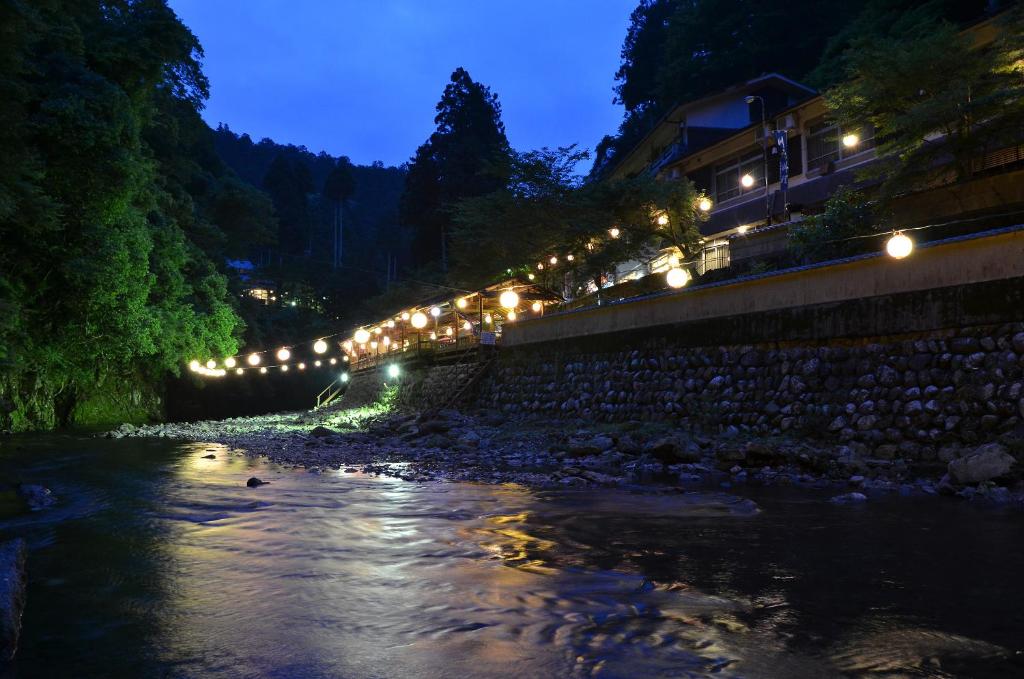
(330, 392)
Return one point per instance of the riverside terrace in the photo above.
(447, 328)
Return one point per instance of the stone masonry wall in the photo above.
(906, 396)
(419, 388)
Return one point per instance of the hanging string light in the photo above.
(435, 311)
(194, 366)
(302, 366)
(230, 362)
(254, 359)
(419, 320)
(362, 336)
(536, 307)
(899, 246)
(320, 346)
(509, 299)
(284, 368)
(461, 302)
(614, 232)
(211, 364)
(317, 363)
(283, 354)
(677, 277)
(704, 204)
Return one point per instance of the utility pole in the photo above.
(764, 154)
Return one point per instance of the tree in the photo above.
(464, 157)
(106, 276)
(289, 184)
(937, 101)
(546, 210)
(338, 187)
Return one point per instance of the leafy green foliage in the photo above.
(113, 208)
(545, 210)
(937, 101)
(835, 232)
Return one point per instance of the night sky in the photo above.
(362, 78)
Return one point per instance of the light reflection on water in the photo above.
(159, 562)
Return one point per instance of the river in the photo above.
(158, 562)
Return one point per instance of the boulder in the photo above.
(322, 432)
(849, 498)
(12, 595)
(591, 446)
(670, 449)
(254, 482)
(35, 496)
(987, 462)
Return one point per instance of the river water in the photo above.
(157, 562)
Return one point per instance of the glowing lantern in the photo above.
(570, 257)
(487, 318)
(373, 345)
(461, 302)
(899, 246)
(393, 370)
(850, 140)
(419, 320)
(511, 315)
(386, 340)
(194, 366)
(536, 307)
(239, 371)
(704, 204)
(302, 366)
(362, 336)
(435, 311)
(320, 346)
(284, 368)
(677, 277)
(553, 261)
(254, 359)
(662, 219)
(211, 364)
(449, 332)
(509, 299)
(334, 361)
(317, 363)
(530, 276)
(283, 354)
(467, 326)
(263, 371)
(747, 180)
(614, 232)
(405, 315)
(391, 324)
(433, 335)
(230, 362)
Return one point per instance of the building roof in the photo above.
(670, 121)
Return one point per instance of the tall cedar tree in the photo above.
(467, 155)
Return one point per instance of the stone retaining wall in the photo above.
(906, 396)
(419, 388)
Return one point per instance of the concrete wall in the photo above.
(947, 264)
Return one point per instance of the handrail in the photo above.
(321, 401)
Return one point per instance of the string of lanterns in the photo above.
(898, 246)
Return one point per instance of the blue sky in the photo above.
(361, 78)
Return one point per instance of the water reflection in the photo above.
(161, 562)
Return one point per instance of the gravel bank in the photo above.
(486, 446)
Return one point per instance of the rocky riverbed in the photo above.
(485, 446)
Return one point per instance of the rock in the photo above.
(592, 446)
(321, 432)
(12, 595)
(35, 496)
(987, 462)
(211, 456)
(670, 449)
(254, 482)
(849, 498)
(434, 426)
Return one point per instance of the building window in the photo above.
(727, 175)
(715, 255)
(825, 145)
